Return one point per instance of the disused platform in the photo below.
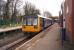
(50, 40)
(9, 29)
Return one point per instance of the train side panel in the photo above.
(44, 23)
(41, 23)
(48, 22)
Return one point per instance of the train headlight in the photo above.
(24, 26)
(35, 27)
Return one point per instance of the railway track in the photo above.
(15, 44)
(11, 44)
(10, 36)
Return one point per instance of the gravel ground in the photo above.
(10, 38)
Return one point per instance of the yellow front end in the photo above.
(29, 29)
(26, 28)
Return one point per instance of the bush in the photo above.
(4, 22)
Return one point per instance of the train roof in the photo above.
(44, 17)
(30, 16)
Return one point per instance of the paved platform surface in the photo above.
(10, 28)
(51, 41)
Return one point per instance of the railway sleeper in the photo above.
(29, 34)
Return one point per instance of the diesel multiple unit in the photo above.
(35, 23)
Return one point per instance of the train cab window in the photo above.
(29, 21)
(24, 22)
(35, 21)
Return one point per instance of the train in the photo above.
(35, 23)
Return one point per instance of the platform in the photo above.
(50, 41)
(9, 29)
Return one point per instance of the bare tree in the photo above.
(37, 11)
(11, 10)
(2, 5)
(14, 9)
(30, 9)
(47, 14)
(6, 14)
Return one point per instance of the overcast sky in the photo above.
(53, 6)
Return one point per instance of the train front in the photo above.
(30, 24)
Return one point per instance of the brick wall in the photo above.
(68, 14)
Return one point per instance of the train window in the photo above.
(35, 21)
(24, 22)
(29, 21)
